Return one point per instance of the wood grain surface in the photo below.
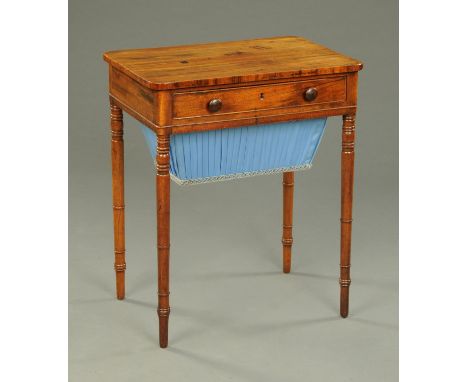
(232, 62)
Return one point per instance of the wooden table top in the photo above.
(228, 63)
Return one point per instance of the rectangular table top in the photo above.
(228, 63)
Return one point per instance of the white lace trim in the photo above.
(222, 178)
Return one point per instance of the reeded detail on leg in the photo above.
(120, 267)
(164, 312)
(162, 157)
(348, 124)
(344, 283)
(116, 113)
(348, 148)
(116, 117)
(348, 134)
(117, 135)
(287, 241)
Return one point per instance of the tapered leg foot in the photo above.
(117, 152)
(347, 180)
(120, 284)
(286, 259)
(288, 198)
(163, 327)
(344, 301)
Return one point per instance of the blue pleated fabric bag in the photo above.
(225, 154)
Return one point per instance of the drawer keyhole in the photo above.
(262, 96)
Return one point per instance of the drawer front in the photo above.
(262, 97)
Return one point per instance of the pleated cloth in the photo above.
(217, 155)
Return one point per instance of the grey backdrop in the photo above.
(235, 316)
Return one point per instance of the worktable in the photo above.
(222, 111)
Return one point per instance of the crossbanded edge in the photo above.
(218, 155)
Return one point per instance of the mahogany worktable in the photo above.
(181, 89)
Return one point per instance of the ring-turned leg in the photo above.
(163, 234)
(288, 197)
(117, 152)
(347, 180)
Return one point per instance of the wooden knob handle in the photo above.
(215, 105)
(310, 94)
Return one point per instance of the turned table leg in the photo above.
(347, 179)
(288, 198)
(163, 234)
(117, 152)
